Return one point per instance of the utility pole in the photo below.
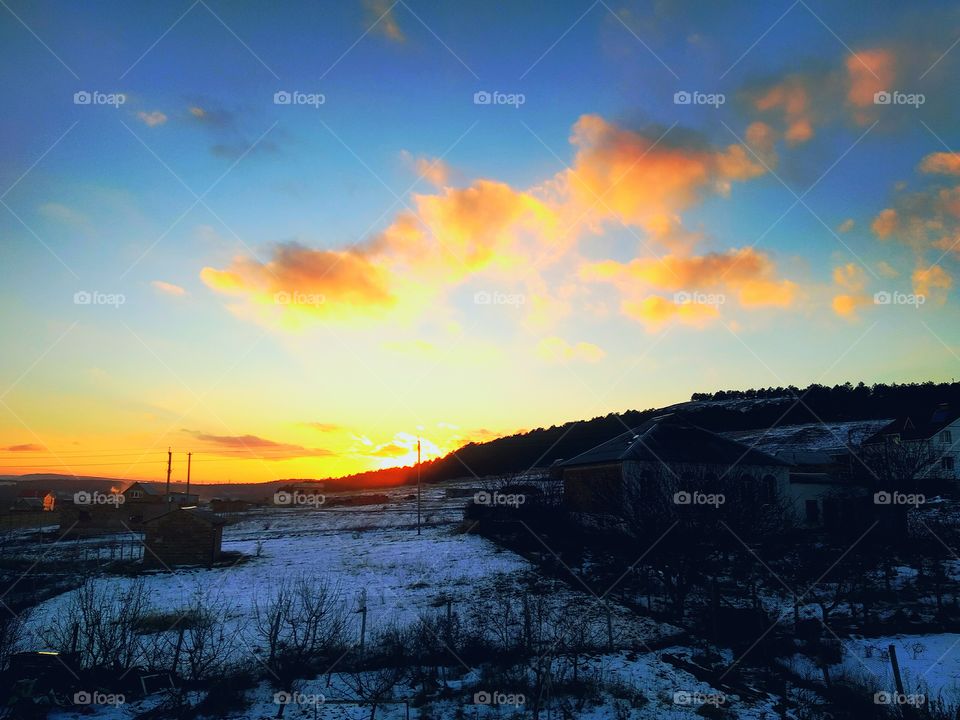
(169, 463)
(418, 486)
(189, 455)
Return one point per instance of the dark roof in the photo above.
(924, 428)
(199, 513)
(160, 488)
(673, 439)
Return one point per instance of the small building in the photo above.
(35, 501)
(641, 467)
(154, 493)
(182, 536)
(930, 440)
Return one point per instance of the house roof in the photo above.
(673, 439)
(919, 427)
(160, 488)
(199, 513)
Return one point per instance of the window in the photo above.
(813, 511)
(946, 437)
(136, 494)
(947, 462)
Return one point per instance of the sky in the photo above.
(290, 238)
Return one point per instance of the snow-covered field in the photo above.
(376, 549)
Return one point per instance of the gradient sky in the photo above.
(306, 287)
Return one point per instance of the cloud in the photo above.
(433, 170)
(558, 350)
(64, 214)
(852, 280)
(886, 223)
(932, 282)
(846, 226)
(746, 273)
(644, 178)
(654, 311)
(27, 447)
(868, 72)
(257, 446)
(514, 237)
(152, 119)
(323, 427)
(212, 117)
(943, 163)
(380, 14)
(168, 288)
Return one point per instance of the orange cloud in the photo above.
(644, 182)
(433, 170)
(745, 272)
(152, 119)
(169, 288)
(379, 14)
(852, 279)
(943, 163)
(655, 311)
(791, 98)
(933, 283)
(886, 223)
(868, 72)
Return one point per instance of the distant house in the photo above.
(183, 536)
(664, 456)
(928, 440)
(156, 492)
(35, 501)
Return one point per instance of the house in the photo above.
(145, 500)
(669, 457)
(182, 536)
(826, 490)
(926, 441)
(35, 501)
